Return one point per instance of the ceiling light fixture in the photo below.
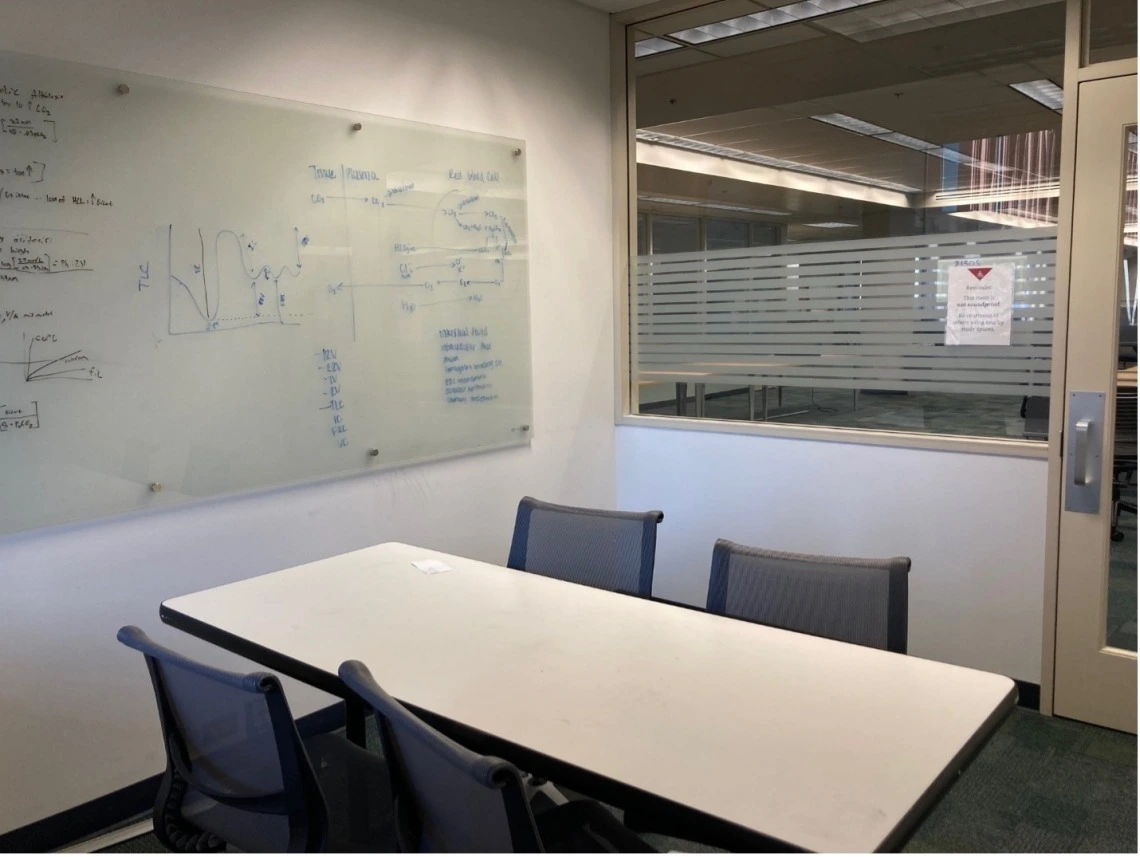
(877, 132)
(831, 224)
(720, 206)
(850, 123)
(1044, 92)
(649, 47)
(789, 14)
(1004, 219)
(766, 161)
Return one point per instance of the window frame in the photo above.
(623, 115)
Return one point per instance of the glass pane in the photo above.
(1111, 30)
(726, 234)
(868, 202)
(675, 234)
(1121, 613)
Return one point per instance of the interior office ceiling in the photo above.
(612, 6)
(936, 70)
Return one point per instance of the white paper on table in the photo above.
(979, 303)
(431, 566)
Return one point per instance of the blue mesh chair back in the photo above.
(448, 798)
(595, 547)
(237, 771)
(861, 601)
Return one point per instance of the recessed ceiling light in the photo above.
(720, 206)
(906, 141)
(1044, 92)
(850, 123)
(1004, 219)
(649, 47)
(766, 161)
(787, 14)
(831, 224)
(877, 132)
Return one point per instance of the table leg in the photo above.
(764, 401)
(699, 399)
(751, 402)
(682, 394)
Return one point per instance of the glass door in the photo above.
(1095, 662)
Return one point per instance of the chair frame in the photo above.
(300, 798)
(493, 772)
(897, 569)
(517, 557)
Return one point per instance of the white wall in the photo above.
(974, 526)
(77, 717)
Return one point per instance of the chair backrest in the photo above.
(860, 601)
(236, 767)
(595, 547)
(448, 798)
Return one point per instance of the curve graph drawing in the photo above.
(215, 283)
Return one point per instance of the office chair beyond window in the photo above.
(861, 601)
(1123, 458)
(449, 798)
(594, 547)
(238, 773)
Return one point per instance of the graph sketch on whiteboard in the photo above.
(217, 284)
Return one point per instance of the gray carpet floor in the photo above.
(1041, 784)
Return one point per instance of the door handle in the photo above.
(1081, 452)
(1085, 430)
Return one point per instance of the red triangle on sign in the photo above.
(979, 272)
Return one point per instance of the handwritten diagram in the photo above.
(223, 288)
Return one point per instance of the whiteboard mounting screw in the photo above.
(155, 487)
(356, 126)
(122, 89)
(374, 452)
(517, 152)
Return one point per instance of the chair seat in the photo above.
(358, 794)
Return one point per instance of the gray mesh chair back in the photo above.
(448, 798)
(861, 601)
(595, 547)
(237, 773)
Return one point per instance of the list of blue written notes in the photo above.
(469, 365)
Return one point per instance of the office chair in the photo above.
(449, 798)
(862, 601)
(594, 547)
(1123, 458)
(1126, 340)
(239, 775)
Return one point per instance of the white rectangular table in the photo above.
(760, 737)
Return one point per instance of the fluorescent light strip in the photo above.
(1003, 219)
(877, 132)
(789, 14)
(720, 206)
(1041, 190)
(831, 224)
(764, 160)
(850, 123)
(1044, 92)
(649, 47)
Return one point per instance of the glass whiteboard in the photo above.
(205, 292)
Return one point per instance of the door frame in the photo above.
(1076, 73)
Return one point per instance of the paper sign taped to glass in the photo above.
(979, 303)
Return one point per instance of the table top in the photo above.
(1126, 377)
(825, 745)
